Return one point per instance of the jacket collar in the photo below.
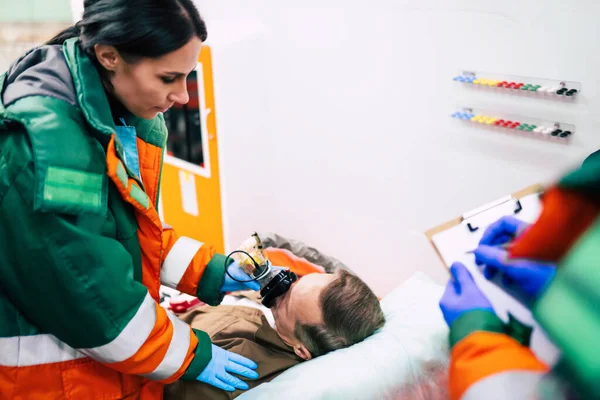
(2, 110)
(90, 92)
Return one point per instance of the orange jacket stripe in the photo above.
(170, 340)
(186, 362)
(150, 232)
(150, 157)
(153, 350)
(483, 354)
(149, 223)
(285, 258)
(177, 353)
(132, 337)
(191, 278)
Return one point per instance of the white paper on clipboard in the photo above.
(453, 245)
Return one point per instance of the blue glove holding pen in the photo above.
(530, 277)
(503, 231)
(217, 372)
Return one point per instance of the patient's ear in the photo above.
(302, 352)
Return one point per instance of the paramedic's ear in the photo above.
(302, 352)
(107, 56)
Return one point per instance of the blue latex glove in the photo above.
(217, 372)
(530, 277)
(462, 294)
(230, 285)
(502, 231)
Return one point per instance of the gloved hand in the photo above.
(502, 231)
(462, 294)
(217, 372)
(530, 277)
(231, 285)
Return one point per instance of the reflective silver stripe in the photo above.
(177, 261)
(20, 351)
(25, 351)
(180, 343)
(505, 386)
(131, 339)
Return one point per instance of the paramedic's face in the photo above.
(150, 86)
(300, 303)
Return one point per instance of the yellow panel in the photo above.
(208, 225)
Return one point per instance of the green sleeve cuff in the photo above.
(475, 320)
(209, 288)
(201, 358)
(488, 321)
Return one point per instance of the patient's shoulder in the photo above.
(224, 321)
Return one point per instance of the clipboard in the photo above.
(453, 240)
(477, 219)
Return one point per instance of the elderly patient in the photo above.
(320, 313)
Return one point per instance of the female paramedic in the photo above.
(83, 250)
(491, 359)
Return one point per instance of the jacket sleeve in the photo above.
(192, 267)
(485, 359)
(78, 285)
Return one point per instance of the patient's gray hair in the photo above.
(351, 313)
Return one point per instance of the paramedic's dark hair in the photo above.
(351, 313)
(136, 28)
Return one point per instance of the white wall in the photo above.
(333, 116)
(334, 126)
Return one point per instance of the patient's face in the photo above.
(300, 303)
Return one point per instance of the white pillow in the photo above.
(407, 358)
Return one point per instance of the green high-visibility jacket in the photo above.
(82, 249)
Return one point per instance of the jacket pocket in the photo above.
(91, 380)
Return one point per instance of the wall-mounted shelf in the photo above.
(529, 126)
(513, 84)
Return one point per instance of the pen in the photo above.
(505, 246)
